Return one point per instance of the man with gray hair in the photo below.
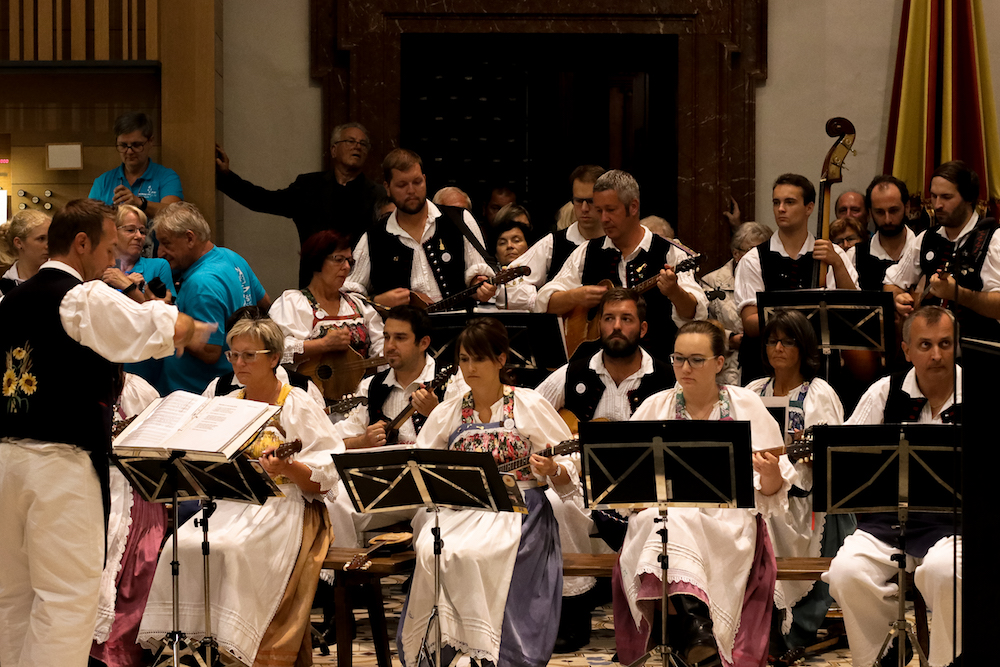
(627, 255)
(211, 283)
(852, 203)
(341, 199)
(452, 196)
(720, 288)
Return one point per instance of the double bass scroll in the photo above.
(833, 164)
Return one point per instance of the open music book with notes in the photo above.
(205, 428)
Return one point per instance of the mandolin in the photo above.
(345, 405)
(581, 327)
(338, 373)
(362, 561)
(392, 428)
(455, 301)
(523, 463)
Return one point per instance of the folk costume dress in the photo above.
(302, 318)
(265, 559)
(721, 556)
(501, 573)
(798, 533)
(136, 529)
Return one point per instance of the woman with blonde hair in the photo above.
(24, 247)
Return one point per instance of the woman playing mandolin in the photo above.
(792, 359)
(321, 319)
(265, 560)
(501, 574)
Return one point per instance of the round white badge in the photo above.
(929, 256)
(446, 257)
(580, 388)
(508, 424)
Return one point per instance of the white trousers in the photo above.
(859, 579)
(51, 554)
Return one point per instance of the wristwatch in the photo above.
(142, 204)
(141, 286)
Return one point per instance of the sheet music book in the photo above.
(206, 428)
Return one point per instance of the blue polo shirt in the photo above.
(155, 183)
(151, 267)
(211, 290)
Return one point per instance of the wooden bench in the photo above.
(574, 565)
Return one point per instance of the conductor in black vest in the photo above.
(960, 258)
(64, 332)
(420, 248)
(627, 255)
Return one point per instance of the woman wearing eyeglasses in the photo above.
(722, 570)
(791, 358)
(133, 272)
(501, 574)
(321, 318)
(265, 560)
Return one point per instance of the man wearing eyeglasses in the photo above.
(139, 181)
(341, 199)
(549, 253)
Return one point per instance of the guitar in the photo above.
(843, 130)
(581, 327)
(392, 428)
(573, 422)
(454, 301)
(362, 560)
(564, 447)
(338, 373)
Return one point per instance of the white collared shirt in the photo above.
(570, 276)
(421, 275)
(520, 294)
(750, 280)
(614, 404)
(356, 423)
(871, 407)
(906, 273)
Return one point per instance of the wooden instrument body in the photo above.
(338, 373)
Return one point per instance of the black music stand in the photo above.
(537, 344)
(843, 319)
(168, 478)
(639, 465)
(899, 468)
(386, 481)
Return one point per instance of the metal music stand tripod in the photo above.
(173, 477)
(387, 481)
(899, 469)
(640, 465)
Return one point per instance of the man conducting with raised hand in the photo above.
(63, 333)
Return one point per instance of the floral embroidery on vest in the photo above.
(18, 381)
(725, 409)
(501, 439)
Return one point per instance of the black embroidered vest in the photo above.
(602, 264)
(583, 404)
(378, 393)
(923, 529)
(562, 248)
(871, 269)
(392, 262)
(55, 389)
(966, 265)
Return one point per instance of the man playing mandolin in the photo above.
(420, 249)
(631, 256)
(960, 259)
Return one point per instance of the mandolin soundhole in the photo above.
(324, 372)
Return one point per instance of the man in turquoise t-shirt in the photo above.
(138, 180)
(212, 282)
